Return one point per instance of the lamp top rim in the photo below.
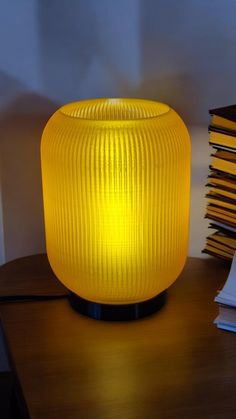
(115, 109)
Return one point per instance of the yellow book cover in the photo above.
(218, 121)
(211, 250)
(223, 192)
(212, 215)
(223, 204)
(218, 138)
(224, 117)
(220, 210)
(223, 239)
(224, 161)
(220, 246)
(214, 180)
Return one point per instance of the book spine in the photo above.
(221, 194)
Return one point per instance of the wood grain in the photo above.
(29, 275)
(174, 364)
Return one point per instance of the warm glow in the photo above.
(116, 181)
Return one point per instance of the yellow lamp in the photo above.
(116, 186)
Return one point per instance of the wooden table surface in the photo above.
(174, 364)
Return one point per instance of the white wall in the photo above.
(179, 52)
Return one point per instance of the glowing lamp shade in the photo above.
(116, 183)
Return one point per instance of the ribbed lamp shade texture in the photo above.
(116, 186)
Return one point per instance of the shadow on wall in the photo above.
(174, 90)
(184, 63)
(165, 67)
(108, 49)
(89, 49)
(119, 49)
(21, 126)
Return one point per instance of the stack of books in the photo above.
(227, 302)
(221, 195)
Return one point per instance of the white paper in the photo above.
(225, 326)
(228, 293)
(217, 223)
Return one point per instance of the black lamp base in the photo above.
(114, 312)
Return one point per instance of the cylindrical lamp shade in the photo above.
(116, 186)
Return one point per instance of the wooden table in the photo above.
(174, 364)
